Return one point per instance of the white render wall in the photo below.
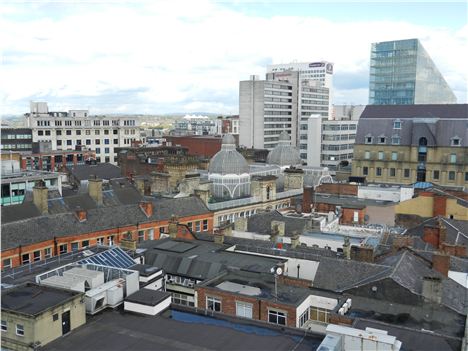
(85, 128)
(394, 193)
(314, 139)
(251, 109)
(149, 310)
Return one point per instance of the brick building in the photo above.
(256, 296)
(202, 146)
(45, 227)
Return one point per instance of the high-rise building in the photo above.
(403, 73)
(77, 130)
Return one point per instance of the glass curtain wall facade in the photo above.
(402, 73)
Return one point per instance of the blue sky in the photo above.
(186, 56)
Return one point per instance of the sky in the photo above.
(177, 56)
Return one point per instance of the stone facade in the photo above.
(403, 169)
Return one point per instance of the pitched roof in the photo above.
(43, 228)
(457, 230)
(261, 223)
(418, 110)
(100, 170)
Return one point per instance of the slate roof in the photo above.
(261, 223)
(43, 228)
(457, 230)
(100, 170)
(437, 123)
(405, 268)
(200, 259)
(115, 196)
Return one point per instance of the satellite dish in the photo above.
(279, 271)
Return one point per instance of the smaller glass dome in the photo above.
(284, 154)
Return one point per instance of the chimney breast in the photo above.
(95, 190)
(40, 193)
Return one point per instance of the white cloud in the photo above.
(186, 56)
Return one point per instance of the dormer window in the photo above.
(397, 124)
(368, 139)
(396, 140)
(455, 141)
(382, 139)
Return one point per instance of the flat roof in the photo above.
(148, 297)
(174, 330)
(33, 299)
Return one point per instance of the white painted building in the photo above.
(76, 129)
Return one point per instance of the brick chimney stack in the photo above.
(441, 263)
(307, 199)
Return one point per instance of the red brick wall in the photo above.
(454, 250)
(441, 263)
(118, 233)
(431, 235)
(337, 188)
(339, 319)
(439, 206)
(304, 283)
(198, 146)
(347, 216)
(259, 307)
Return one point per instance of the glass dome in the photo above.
(284, 155)
(228, 172)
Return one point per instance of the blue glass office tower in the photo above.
(402, 73)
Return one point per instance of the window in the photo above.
(47, 252)
(87, 132)
(78, 132)
(455, 141)
(36, 255)
(365, 171)
(69, 142)
(392, 172)
(277, 317)
(453, 158)
(19, 330)
(4, 326)
(197, 226)
(368, 139)
(47, 132)
(397, 124)
(319, 314)
(106, 132)
(68, 132)
(190, 225)
(115, 131)
(98, 150)
(243, 309)
(7, 263)
(110, 240)
(40, 132)
(451, 175)
(378, 171)
(88, 141)
(182, 299)
(75, 246)
(382, 140)
(466, 176)
(55, 317)
(100, 241)
(106, 151)
(97, 141)
(381, 155)
(25, 258)
(106, 141)
(141, 236)
(406, 173)
(213, 304)
(435, 175)
(107, 159)
(116, 141)
(366, 155)
(303, 318)
(394, 155)
(58, 132)
(205, 225)
(63, 249)
(85, 243)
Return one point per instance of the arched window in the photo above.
(268, 193)
(422, 141)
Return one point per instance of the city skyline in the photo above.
(117, 57)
